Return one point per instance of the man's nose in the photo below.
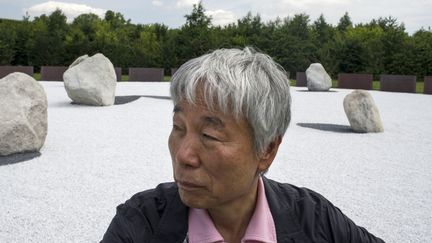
(188, 151)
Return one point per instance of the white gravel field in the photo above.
(95, 158)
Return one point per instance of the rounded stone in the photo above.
(23, 114)
(317, 78)
(362, 113)
(91, 81)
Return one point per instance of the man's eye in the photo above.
(207, 136)
(177, 128)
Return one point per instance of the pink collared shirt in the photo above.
(261, 227)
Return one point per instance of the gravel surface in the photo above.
(95, 158)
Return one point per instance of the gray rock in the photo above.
(23, 114)
(317, 78)
(78, 60)
(362, 113)
(91, 81)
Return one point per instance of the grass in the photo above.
(37, 76)
(419, 87)
(375, 84)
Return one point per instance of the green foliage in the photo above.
(248, 31)
(323, 36)
(81, 39)
(421, 43)
(197, 19)
(344, 23)
(292, 46)
(381, 46)
(8, 38)
(47, 39)
(195, 37)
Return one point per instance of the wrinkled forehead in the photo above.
(200, 111)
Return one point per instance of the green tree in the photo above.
(197, 19)
(148, 46)
(7, 42)
(113, 38)
(322, 36)
(344, 23)
(421, 43)
(195, 37)
(47, 45)
(170, 48)
(248, 31)
(394, 40)
(370, 40)
(293, 47)
(87, 23)
(115, 19)
(378, 47)
(81, 37)
(23, 30)
(352, 58)
(322, 31)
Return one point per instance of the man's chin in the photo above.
(192, 201)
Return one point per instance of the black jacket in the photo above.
(299, 214)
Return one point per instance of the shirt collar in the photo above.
(261, 227)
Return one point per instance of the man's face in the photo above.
(212, 154)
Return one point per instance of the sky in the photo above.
(415, 14)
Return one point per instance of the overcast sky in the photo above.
(413, 13)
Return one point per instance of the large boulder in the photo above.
(317, 78)
(362, 113)
(23, 114)
(91, 81)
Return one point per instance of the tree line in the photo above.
(381, 46)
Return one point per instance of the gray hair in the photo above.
(244, 83)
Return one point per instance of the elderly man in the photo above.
(231, 110)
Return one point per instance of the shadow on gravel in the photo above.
(305, 90)
(121, 100)
(327, 127)
(18, 158)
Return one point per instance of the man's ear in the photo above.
(269, 154)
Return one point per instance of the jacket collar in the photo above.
(173, 225)
(282, 207)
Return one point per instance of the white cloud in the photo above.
(71, 10)
(157, 3)
(289, 6)
(221, 17)
(311, 3)
(186, 3)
